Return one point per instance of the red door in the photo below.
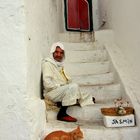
(78, 15)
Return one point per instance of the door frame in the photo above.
(90, 18)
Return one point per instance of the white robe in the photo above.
(57, 88)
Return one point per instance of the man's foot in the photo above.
(67, 118)
(93, 99)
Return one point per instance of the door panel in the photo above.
(84, 15)
(73, 14)
(78, 15)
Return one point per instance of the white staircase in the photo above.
(89, 65)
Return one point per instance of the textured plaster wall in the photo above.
(96, 16)
(124, 18)
(124, 70)
(19, 114)
(43, 20)
(104, 13)
(125, 23)
(12, 71)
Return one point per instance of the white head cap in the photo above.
(52, 50)
(57, 44)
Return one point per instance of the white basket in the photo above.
(119, 121)
(112, 119)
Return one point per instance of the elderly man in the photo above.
(58, 86)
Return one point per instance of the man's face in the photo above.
(58, 54)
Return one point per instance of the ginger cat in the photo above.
(76, 134)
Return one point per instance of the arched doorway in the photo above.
(78, 15)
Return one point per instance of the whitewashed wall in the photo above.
(96, 14)
(105, 13)
(124, 18)
(42, 29)
(27, 31)
(43, 19)
(125, 23)
(13, 71)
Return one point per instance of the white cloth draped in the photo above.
(57, 88)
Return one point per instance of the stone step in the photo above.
(95, 130)
(83, 46)
(86, 56)
(87, 68)
(92, 112)
(77, 37)
(101, 133)
(100, 79)
(103, 93)
(86, 113)
(101, 101)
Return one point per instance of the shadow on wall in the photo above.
(41, 86)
